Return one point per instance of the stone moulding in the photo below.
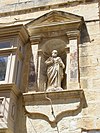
(62, 104)
(29, 8)
(53, 21)
(14, 31)
(9, 87)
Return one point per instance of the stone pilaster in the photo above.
(72, 61)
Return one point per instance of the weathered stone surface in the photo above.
(98, 122)
(87, 123)
(13, 12)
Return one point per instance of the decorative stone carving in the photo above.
(56, 30)
(54, 72)
(53, 106)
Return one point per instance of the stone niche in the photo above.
(46, 49)
(59, 31)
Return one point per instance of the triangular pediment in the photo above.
(54, 17)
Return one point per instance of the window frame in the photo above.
(9, 52)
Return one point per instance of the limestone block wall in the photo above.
(13, 5)
(24, 17)
(89, 61)
(89, 69)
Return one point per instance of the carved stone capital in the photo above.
(73, 34)
(40, 52)
(35, 40)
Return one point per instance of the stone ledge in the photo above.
(9, 87)
(40, 96)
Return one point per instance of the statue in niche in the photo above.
(55, 68)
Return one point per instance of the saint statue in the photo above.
(55, 68)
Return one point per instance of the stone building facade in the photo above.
(29, 32)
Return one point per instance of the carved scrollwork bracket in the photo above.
(54, 106)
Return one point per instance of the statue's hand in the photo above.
(52, 60)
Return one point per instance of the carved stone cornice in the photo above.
(10, 87)
(73, 34)
(35, 39)
(54, 21)
(13, 31)
(54, 27)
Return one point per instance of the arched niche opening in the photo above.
(46, 52)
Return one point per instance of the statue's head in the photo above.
(54, 53)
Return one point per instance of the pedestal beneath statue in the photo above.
(54, 89)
